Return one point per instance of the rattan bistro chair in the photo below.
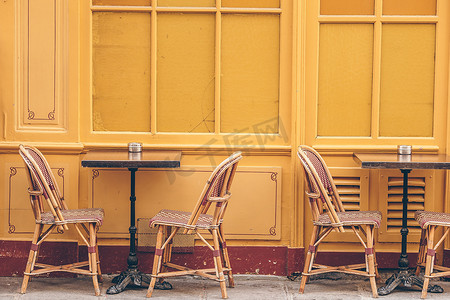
(329, 215)
(44, 193)
(429, 221)
(215, 197)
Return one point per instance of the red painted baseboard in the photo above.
(244, 260)
(266, 260)
(14, 256)
(446, 258)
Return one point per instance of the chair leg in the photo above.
(31, 258)
(93, 261)
(218, 264)
(421, 257)
(226, 258)
(377, 275)
(167, 251)
(309, 261)
(429, 261)
(156, 261)
(370, 260)
(99, 271)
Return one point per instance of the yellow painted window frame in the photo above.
(279, 141)
(310, 46)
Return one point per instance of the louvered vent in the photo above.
(416, 201)
(349, 189)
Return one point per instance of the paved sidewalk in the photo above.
(329, 287)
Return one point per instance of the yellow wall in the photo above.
(210, 77)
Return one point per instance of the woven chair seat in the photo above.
(83, 215)
(180, 219)
(351, 218)
(426, 218)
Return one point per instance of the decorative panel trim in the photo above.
(264, 195)
(54, 116)
(12, 224)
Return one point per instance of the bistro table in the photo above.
(132, 161)
(405, 163)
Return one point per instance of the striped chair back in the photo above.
(217, 190)
(321, 190)
(42, 184)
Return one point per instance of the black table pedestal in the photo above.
(404, 276)
(408, 279)
(132, 276)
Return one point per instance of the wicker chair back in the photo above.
(322, 193)
(217, 187)
(42, 184)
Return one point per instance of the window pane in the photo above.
(251, 3)
(187, 3)
(346, 7)
(250, 73)
(122, 2)
(409, 7)
(121, 71)
(407, 80)
(345, 79)
(185, 88)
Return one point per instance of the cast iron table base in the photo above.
(132, 276)
(404, 276)
(408, 280)
(135, 278)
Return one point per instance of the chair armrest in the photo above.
(220, 199)
(34, 193)
(312, 195)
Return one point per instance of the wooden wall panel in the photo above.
(41, 64)
(254, 189)
(18, 221)
(41, 61)
(19, 216)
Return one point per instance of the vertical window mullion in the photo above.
(218, 48)
(153, 67)
(375, 126)
(153, 52)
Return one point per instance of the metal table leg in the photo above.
(132, 276)
(404, 276)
